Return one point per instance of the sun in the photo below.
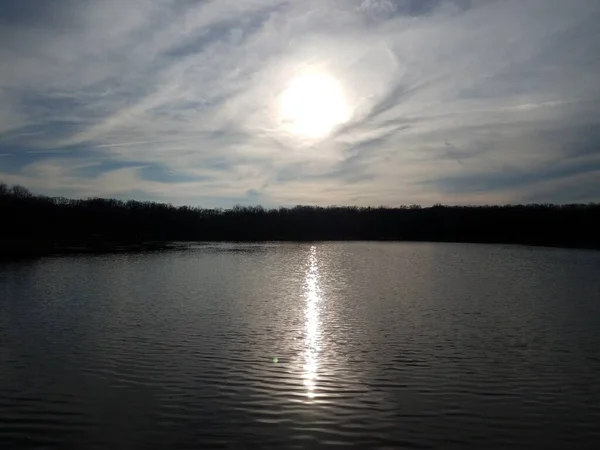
(312, 104)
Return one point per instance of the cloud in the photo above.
(452, 101)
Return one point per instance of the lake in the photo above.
(324, 345)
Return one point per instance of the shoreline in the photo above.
(37, 249)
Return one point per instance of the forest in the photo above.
(35, 224)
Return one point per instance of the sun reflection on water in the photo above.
(312, 341)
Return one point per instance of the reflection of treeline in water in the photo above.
(45, 223)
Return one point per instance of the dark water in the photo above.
(303, 346)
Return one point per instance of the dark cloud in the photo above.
(512, 178)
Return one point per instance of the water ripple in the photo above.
(343, 345)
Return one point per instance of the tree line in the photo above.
(41, 222)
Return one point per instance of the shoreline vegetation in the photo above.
(35, 225)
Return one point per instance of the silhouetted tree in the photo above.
(43, 224)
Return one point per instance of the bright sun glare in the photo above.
(313, 104)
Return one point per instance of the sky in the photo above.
(284, 102)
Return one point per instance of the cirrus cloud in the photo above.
(452, 101)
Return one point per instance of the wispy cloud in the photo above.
(457, 101)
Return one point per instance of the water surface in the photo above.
(370, 345)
